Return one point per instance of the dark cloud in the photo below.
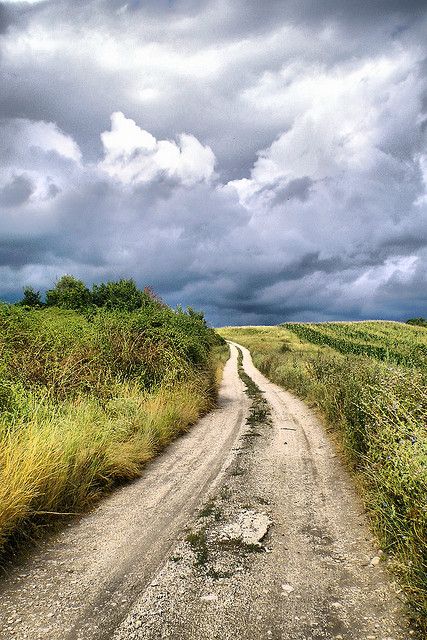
(315, 111)
(298, 188)
(4, 18)
(16, 253)
(16, 192)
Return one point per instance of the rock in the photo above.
(287, 588)
(375, 561)
(209, 598)
(250, 528)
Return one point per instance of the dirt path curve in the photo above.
(81, 583)
(311, 579)
(127, 571)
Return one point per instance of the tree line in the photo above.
(71, 293)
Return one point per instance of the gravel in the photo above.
(225, 537)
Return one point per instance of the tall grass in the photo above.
(86, 400)
(62, 458)
(379, 410)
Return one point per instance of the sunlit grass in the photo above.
(87, 400)
(60, 460)
(378, 409)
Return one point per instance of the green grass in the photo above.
(199, 544)
(259, 411)
(369, 381)
(86, 399)
(392, 342)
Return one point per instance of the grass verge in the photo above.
(378, 409)
(86, 401)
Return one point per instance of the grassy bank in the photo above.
(87, 397)
(369, 382)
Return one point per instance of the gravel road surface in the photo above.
(238, 531)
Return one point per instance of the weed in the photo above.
(225, 493)
(198, 542)
(238, 472)
(259, 411)
(238, 545)
(210, 510)
(218, 575)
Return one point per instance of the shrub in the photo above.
(87, 398)
(68, 293)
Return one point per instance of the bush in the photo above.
(31, 298)
(422, 322)
(87, 397)
(123, 294)
(69, 293)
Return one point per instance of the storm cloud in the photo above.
(262, 161)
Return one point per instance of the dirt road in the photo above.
(280, 549)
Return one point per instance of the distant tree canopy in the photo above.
(123, 294)
(31, 298)
(71, 293)
(422, 322)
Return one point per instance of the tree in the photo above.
(31, 298)
(69, 293)
(123, 294)
(422, 322)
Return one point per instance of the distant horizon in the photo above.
(249, 324)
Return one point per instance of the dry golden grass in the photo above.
(60, 460)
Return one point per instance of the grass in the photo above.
(369, 382)
(259, 411)
(392, 342)
(199, 544)
(87, 400)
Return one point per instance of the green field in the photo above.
(392, 342)
(368, 380)
(88, 395)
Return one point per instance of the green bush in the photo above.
(86, 397)
(123, 294)
(68, 293)
(422, 322)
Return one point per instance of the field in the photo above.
(368, 380)
(88, 396)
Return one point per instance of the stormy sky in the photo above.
(261, 160)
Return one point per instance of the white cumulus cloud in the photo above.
(133, 155)
(342, 121)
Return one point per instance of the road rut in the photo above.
(81, 583)
(128, 570)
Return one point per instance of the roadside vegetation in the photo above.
(368, 379)
(92, 385)
(422, 322)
